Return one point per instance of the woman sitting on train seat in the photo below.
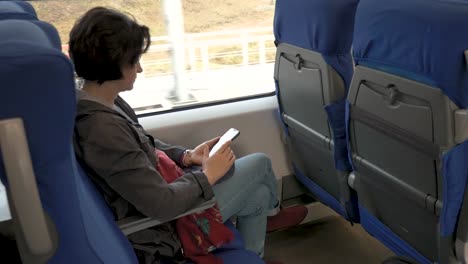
(125, 161)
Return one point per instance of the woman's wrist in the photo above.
(187, 158)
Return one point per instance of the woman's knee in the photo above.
(260, 160)
(261, 157)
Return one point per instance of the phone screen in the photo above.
(231, 134)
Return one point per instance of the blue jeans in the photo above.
(249, 191)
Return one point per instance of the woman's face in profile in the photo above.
(129, 75)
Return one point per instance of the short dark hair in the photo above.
(104, 40)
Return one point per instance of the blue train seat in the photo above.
(38, 88)
(17, 10)
(313, 70)
(407, 125)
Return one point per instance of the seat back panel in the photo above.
(400, 185)
(401, 215)
(422, 45)
(312, 156)
(313, 70)
(401, 111)
(401, 161)
(306, 85)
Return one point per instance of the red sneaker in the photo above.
(287, 217)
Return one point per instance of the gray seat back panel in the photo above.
(409, 138)
(396, 152)
(396, 159)
(313, 159)
(404, 109)
(413, 94)
(387, 205)
(306, 84)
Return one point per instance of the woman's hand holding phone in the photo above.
(195, 156)
(216, 165)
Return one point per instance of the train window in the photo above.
(4, 208)
(222, 49)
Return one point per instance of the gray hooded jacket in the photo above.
(119, 156)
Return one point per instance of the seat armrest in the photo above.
(461, 125)
(134, 224)
(34, 232)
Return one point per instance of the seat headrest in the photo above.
(39, 32)
(31, 68)
(324, 26)
(424, 39)
(17, 10)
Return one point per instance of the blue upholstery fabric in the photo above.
(233, 253)
(388, 238)
(336, 118)
(455, 173)
(17, 10)
(399, 72)
(22, 30)
(324, 26)
(38, 86)
(423, 40)
(425, 37)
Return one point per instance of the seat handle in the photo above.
(461, 125)
(134, 224)
(299, 62)
(22, 188)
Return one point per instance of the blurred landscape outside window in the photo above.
(4, 208)
(221, 50)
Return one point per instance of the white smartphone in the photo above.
(231, 134)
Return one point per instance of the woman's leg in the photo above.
(249, 191)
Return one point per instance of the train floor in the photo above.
(327, 241)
